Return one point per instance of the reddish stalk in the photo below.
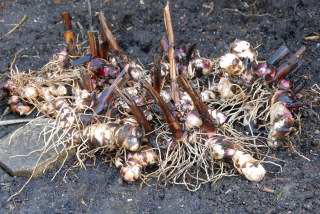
(69, 35)
(106, 33)
(156, 76)
(202, 108)
(171, 120)
(136, 111)
(170, 36)
(292, 63)
(86, 82)
(103, 50)
(93, 44)
(279, 54)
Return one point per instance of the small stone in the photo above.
(21, 151)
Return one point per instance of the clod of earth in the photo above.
(27, 152)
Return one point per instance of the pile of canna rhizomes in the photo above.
(185, 120)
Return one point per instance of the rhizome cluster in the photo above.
(185, 120)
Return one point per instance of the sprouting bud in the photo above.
(281, 123)
(108, 71)
(47, 108)
(248, 166)
(265, 71)
(45, 94)
(225, 88)
(181, 54)
(193, 120)
(284, 85)
(20, 108)
(202, 66)
(219, 148)
(10, 86)
(62, 58)
(231, 64)
(82, 99)
(144, 158)
(148, 114)
(118, 162)
(132, 143)
(247, 77)
(13, 100)
(243, 49)
(101, 135)
(131, 172)
(58, 90)
(165, 95)
(207, 95)
(61, 90)
(129, 135)
(186, 102)
(218, 117)
(135, 71)
(29, 92)
(96, 65)
(254, 171)
(278, 110)
(217, 151)
(132, 91)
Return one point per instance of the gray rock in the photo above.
(26, 151)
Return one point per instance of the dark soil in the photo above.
(139, 27)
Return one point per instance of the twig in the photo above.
(136, 111)
(170, 36)
(93, 44)
(22, 21)
(267, 189)
(11, 122)
(106, 33)
(105, 94)
(201, 107)
(171, 120)
(69, 35)
(90, 15)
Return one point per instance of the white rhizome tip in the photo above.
(232, 64)
(248, 166)
(243, 49)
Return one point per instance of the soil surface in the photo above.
(138, 25)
